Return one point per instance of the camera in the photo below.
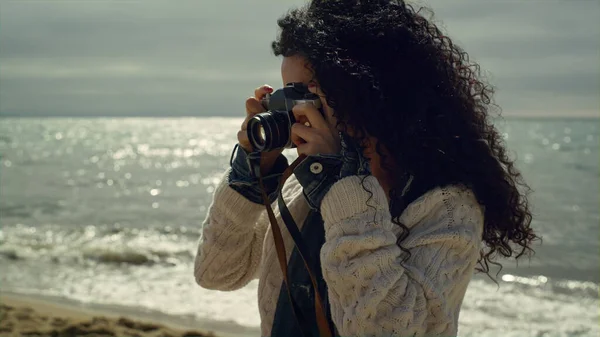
(271, 130)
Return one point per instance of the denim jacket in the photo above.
(243, 181)
(316, 174)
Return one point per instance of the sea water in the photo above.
(109, 211)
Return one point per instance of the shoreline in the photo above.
(41, 314)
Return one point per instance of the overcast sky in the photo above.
(203, 58)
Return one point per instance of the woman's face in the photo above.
(296, 69)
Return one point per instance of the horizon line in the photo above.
(512, 116)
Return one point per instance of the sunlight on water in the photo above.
(110, 211)
(524, 280)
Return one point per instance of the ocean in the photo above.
(109, 211)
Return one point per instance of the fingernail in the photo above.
(268, 89)
(312, 85)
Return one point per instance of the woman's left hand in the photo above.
(318, 136)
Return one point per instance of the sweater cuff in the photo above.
(348, 198)
(234, 205)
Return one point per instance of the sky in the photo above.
(204, 58)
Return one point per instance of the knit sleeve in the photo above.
(230, 248)
(374, 290)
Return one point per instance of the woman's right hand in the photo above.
(253, 107)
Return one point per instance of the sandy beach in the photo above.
(22, 315)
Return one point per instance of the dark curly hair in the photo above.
(390, 73)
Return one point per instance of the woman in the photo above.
(406, 190)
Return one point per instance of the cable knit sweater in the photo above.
(372, 290)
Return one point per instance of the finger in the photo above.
(301, 149)
(296, 139)
(261, 91)
(243, 140)
(245, 122)
(253, 106)
(312, 114)
(305, 149)
(302, 134)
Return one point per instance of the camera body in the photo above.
(271, 130)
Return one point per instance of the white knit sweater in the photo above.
(372, 291)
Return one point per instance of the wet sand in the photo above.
(28, 316)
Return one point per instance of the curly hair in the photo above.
(390, 73)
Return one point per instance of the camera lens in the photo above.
(256, 134)
(258, 137)
(262, 134)
(269, 130)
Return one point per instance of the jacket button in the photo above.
(316, 168)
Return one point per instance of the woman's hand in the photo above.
(253, 107)
(314, 133)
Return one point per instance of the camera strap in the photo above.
(321, 317)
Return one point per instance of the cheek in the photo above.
(377, 170)
(331, 120)
(375, 165)
(370, 150)
(382, 176)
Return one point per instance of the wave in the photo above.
(92, 245)
(592, 169)
(29, 209)
(172, 246)
(10, 254)
(132, 256)
(584, 289)
(127, 257)
(5, 139)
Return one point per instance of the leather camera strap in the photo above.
(321, 317)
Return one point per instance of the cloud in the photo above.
(204, 58)
(122, 69)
